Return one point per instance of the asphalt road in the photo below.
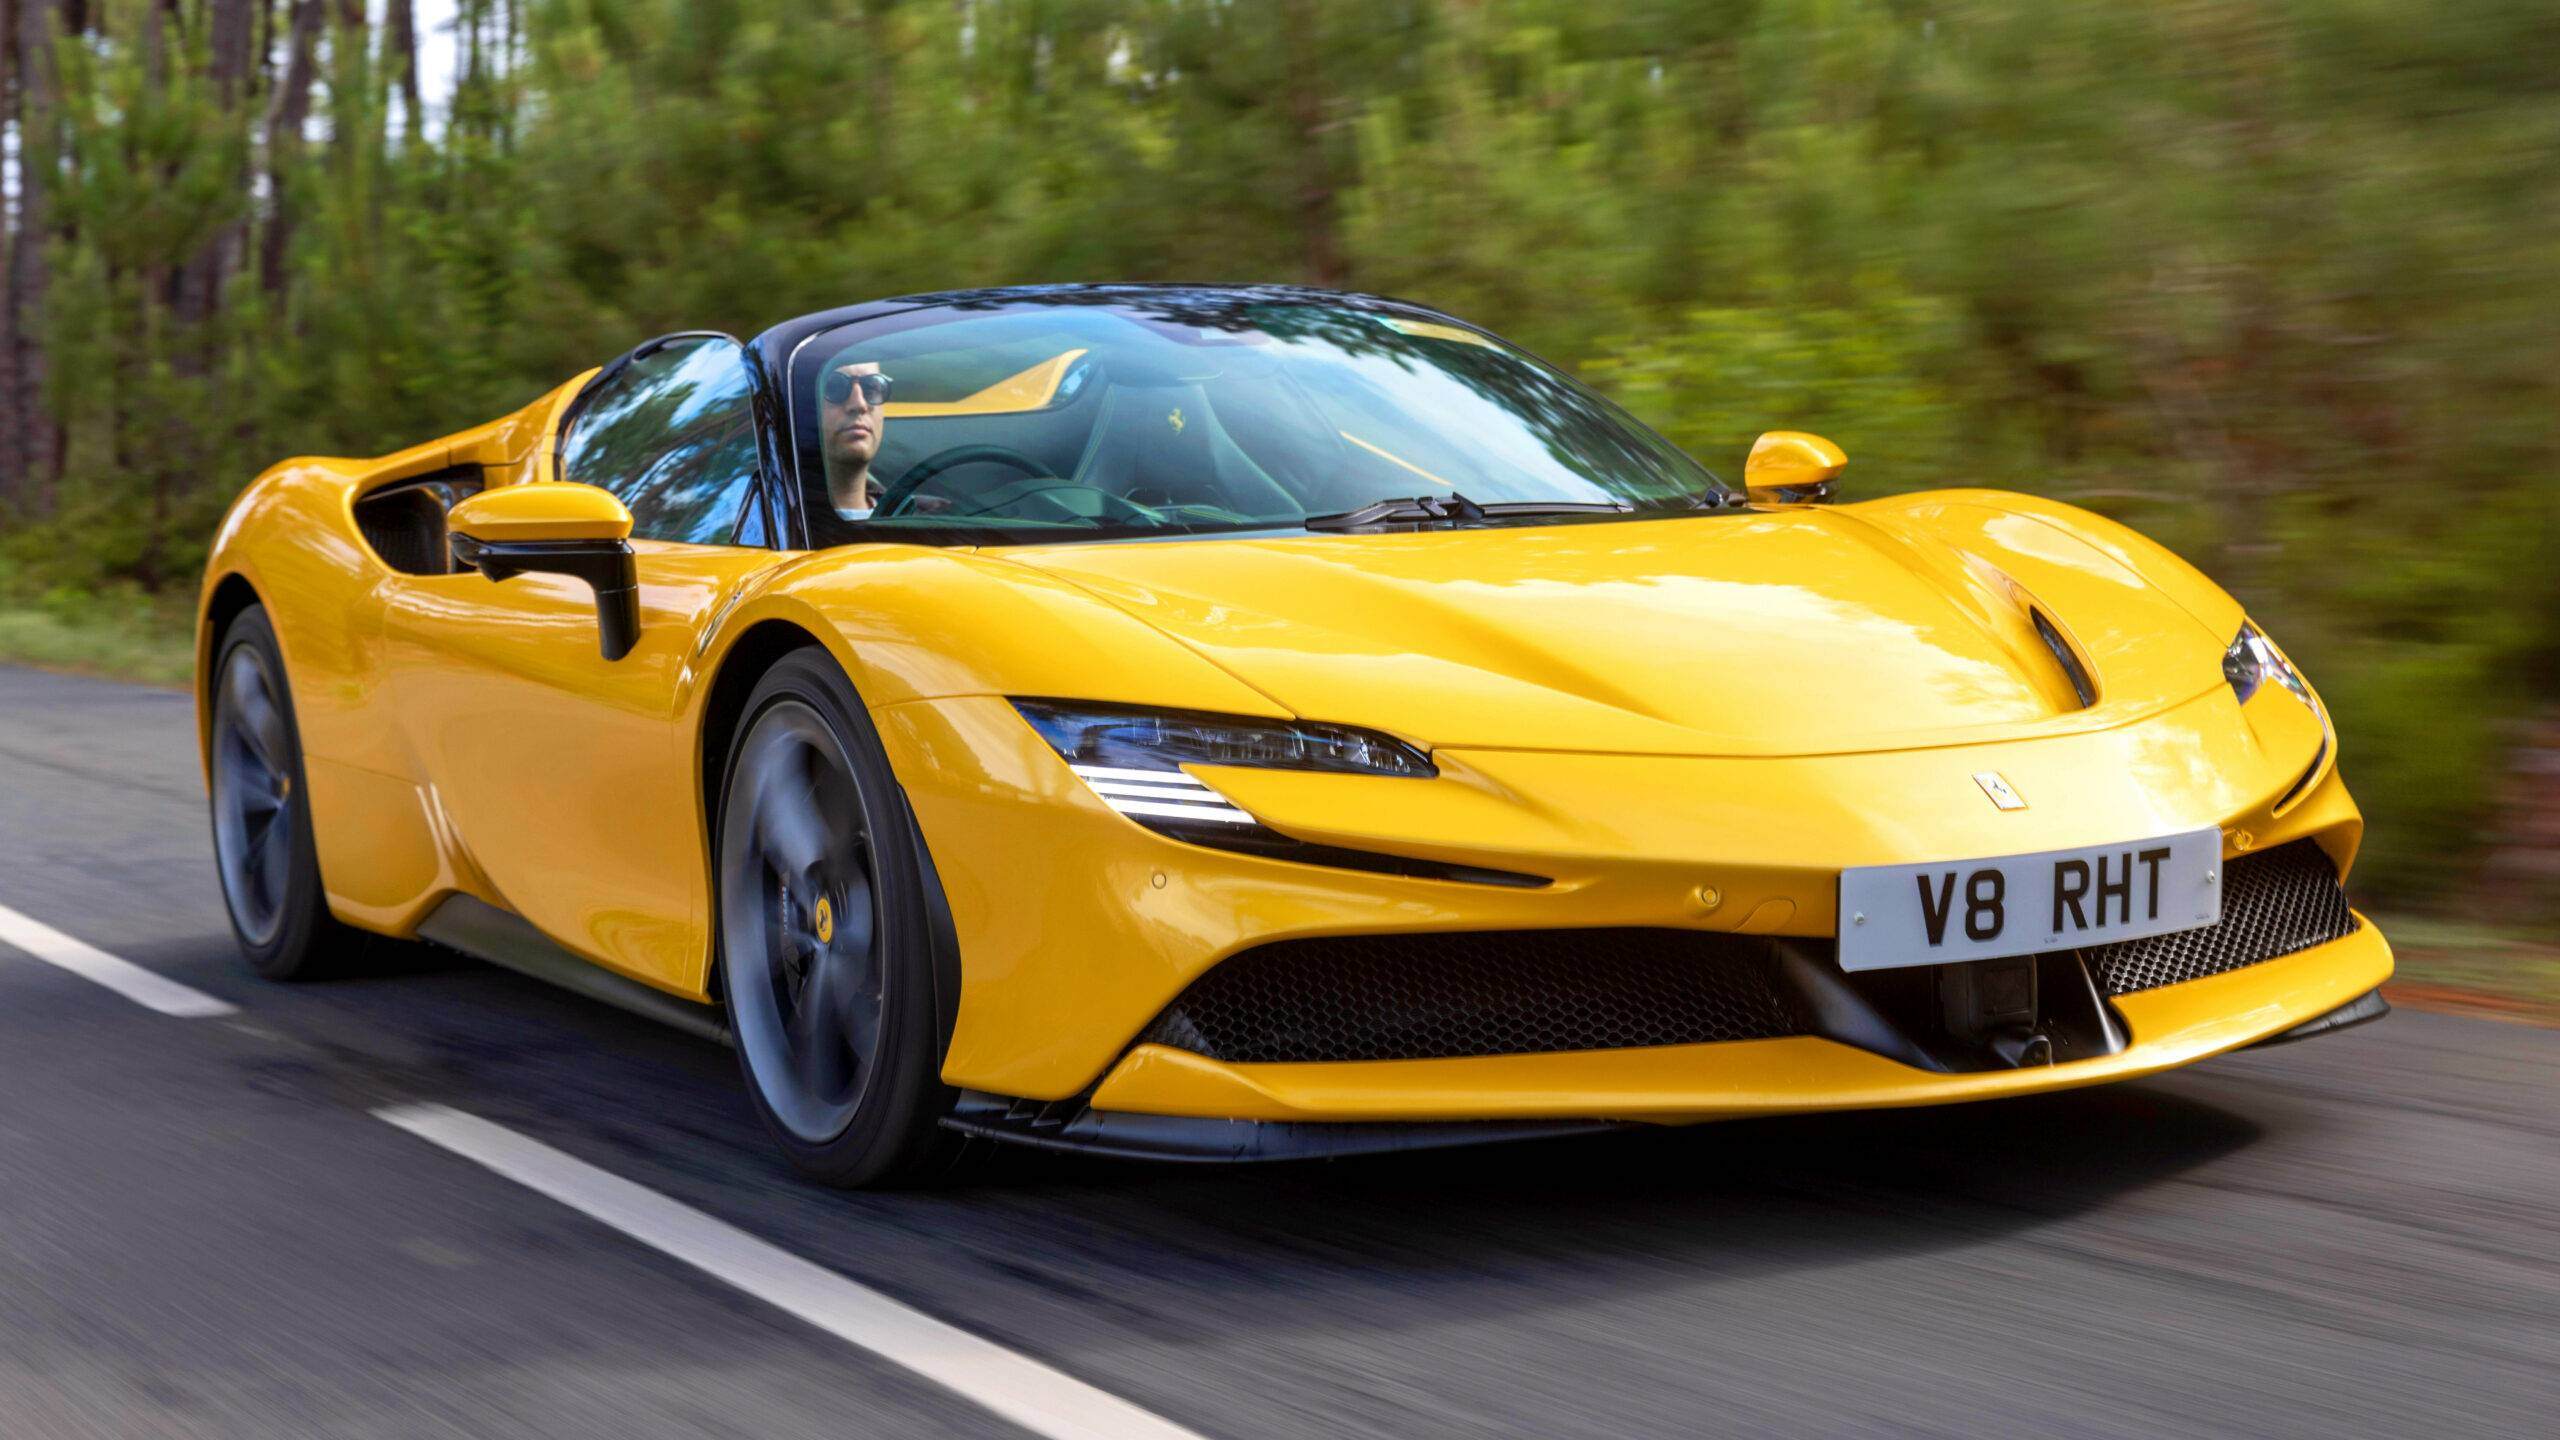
(205, 1231)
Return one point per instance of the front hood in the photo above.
(1790, 631)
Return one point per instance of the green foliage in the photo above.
(2275, 280)
(1876, 373)
(119, 631)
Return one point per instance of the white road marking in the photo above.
(142, 987)
(1016, 1387)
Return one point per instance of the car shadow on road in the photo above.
(1534, 1223)
(1170, 1250)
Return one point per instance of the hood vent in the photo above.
(2068, 659)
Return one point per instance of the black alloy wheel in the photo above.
(262, 841)
(824, 955)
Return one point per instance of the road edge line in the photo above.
(146, 988)
(1015, 1387)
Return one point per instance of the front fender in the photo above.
(915, 623)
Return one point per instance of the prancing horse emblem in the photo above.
(1175, 420)
(1999, 791)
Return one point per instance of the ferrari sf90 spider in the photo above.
(1234, 723)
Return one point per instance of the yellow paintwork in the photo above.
(1031, 389)
(1784, 460)
(1685, 722)
(549, 511)
(560, 778)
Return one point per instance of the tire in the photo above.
(825, 951)
(263, 849)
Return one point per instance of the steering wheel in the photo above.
(895, 498)
(1047, 488)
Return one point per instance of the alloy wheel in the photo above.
(255, 802)
(799, 924)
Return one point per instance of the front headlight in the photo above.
(1133, 758)
(1127, 738)
(2252, 660)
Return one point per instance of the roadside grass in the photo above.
(145, 641)
(2473, 969)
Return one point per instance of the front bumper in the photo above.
(2171, 1026)
(1077, 928)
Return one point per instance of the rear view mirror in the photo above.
(560, 529)
(1790, 467)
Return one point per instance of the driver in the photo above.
(853, 399)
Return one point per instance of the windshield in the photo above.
(1010, 421)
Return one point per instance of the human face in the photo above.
(852, 428)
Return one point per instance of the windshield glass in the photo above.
(1013, 420)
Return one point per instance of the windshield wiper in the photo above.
(1442, 509)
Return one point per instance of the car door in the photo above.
(559, 776)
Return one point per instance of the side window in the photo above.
(674, 435)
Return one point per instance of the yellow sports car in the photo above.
(1237, 723)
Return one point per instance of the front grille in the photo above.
(1527, 992)
(1509, 992)
(2273, 903)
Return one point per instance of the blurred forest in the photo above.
(2277, 281)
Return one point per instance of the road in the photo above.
(206, 1230)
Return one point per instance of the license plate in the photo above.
(1896, 915)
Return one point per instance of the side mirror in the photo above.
(561, 529)
(1790, 467)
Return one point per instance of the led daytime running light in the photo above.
(1160, 794)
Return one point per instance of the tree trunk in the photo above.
(156, 23)
(401, 17)
(162, 277)
(32, 457)
(876, 79)
(509, 34)
(262, 49)
(232, 27)
(232, 30)
(1301, 45)
(10, 420)
(287, 114)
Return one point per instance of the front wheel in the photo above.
(262, 842)
(825, 951)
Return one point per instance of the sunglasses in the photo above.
(838, 387)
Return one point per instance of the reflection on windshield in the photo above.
(1027, 420)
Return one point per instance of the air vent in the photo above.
(2274, 903)
(2068, 659)
(404, 521)
(1498, 992)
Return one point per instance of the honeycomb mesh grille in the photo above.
(1514, 992)
(2273, 903)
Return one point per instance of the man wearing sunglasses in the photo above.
(852, 413)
